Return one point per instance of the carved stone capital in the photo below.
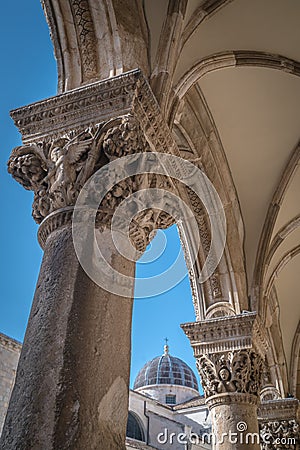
(69, 137)
(238, 372)
(143, 227)
(57, 169)
(229, 354)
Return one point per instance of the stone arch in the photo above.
(198, 141)
(223, 60)
(295, 365)
(226, 337)
(268, 247)
(94, 40)
(285, 259)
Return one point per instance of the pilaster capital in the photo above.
(229, 354)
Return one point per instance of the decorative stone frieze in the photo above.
(225, 334)
(279, 424)
(279, 435)
(85, 31)
(76, 110)
(281, 409)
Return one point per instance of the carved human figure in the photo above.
(225, 384)
(67, 158)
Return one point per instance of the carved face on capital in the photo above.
(55, 154)
(224, 374)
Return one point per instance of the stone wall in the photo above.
(9, 357)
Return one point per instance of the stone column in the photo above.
(279, 424)
(229, 355)
(71, 388)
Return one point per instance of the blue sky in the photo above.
(29, 74)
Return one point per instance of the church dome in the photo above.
(166, 369)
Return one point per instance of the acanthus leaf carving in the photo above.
(279, 434)
(123, 139)
(231, 372)
(56, 170)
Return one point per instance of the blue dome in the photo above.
(166, 369)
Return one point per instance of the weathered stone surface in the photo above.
(229, 353)
(72, 383)
(279, 424)
(9, 357)
(234, 422)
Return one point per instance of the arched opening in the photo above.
(166, 390)
(134, 429)
(156, 317)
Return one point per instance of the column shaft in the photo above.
(234, 422)
(71, 387)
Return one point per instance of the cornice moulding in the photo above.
(226, 334)
(94, 103)
(282, 409)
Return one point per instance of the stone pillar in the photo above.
(72, 381)
(71, 388)
(229, 355)
(279, 424)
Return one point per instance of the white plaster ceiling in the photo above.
(155, 11)
(256, 112)
(262, 25)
